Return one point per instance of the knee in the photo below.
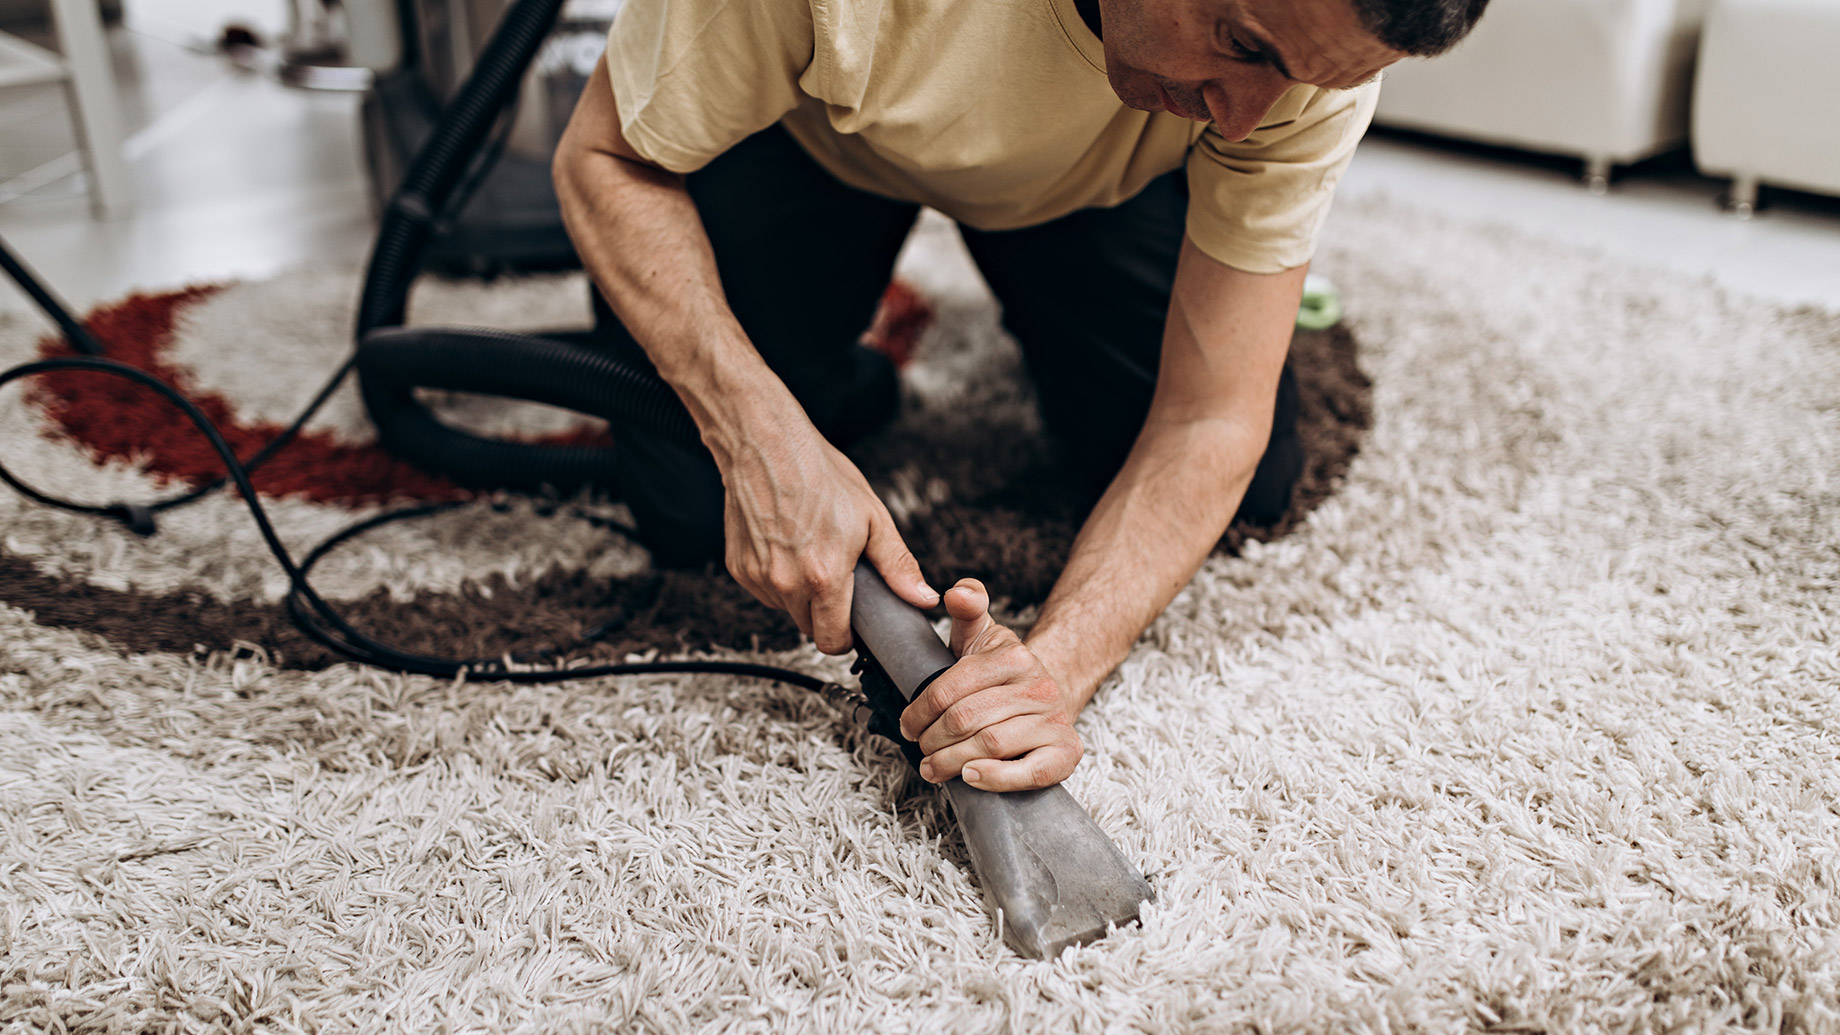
(1274, 482)
(675, 495)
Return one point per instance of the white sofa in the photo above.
(1605, 80)
(1766, 106)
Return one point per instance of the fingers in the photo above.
(831, 596)
(830, 615)
(1027, 751)
(796, 548)
(891, 558)
(1043, 767)
(997, 710)
(945, 710)
(817, 602)
(969, 605)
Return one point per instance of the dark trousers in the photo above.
(804, 260)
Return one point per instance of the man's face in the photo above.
(1230, 60)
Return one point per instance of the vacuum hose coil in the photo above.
(392, 361)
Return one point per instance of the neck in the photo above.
(1089, 13)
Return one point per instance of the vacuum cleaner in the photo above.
(509, 220)
(1052, 876)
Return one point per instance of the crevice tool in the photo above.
(1041, 860)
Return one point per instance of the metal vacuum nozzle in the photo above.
(1052, 874)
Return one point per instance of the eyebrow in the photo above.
(1269, 52)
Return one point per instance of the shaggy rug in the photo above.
(1528, 723)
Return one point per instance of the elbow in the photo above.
(1227, 447)
(1235, 432)
(565, 171)
(1241, 450)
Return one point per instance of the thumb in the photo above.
(896, 564)
(969, 605)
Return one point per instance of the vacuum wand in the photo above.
(1053, 876)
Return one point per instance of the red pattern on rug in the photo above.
(900, 320)
(119, 420)
(116, 419)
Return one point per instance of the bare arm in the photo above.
(798, 514)
(1007, 709)
(1223, 348)
(640, 237)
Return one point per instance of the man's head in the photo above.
(1230, 60)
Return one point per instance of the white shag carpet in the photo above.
(1534, 727)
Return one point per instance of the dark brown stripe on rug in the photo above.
(667, 611)
(1015, 538)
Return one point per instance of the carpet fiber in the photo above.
(1530, 724)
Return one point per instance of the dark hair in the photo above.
(1419, 27)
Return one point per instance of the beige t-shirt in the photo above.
(995, 112)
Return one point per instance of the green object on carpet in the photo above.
(1321, 308)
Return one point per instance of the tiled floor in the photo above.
(237, 176)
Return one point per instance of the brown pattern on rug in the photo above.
(1015, 537)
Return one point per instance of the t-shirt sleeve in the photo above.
(692, 78)
(1257, 204)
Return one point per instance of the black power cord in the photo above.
(317, 618)
(74, 331)
(310, 611)
(137, 516)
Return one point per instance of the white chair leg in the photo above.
(1597, 174)
(1741, 200)
(375, 35)
(94, 102)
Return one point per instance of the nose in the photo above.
(1238, 106)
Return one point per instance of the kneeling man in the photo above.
(1141, 183)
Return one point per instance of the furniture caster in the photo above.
(1741, 199)
(1597, 176)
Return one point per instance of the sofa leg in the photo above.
(1741, 199)
(1597, 174)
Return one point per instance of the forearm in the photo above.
(1223, 349)
(640, 238)
(797, 514)
(1157, 522)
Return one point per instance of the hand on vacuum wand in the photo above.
(997, 717)
(797, 517)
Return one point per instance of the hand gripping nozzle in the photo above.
(1053, 875)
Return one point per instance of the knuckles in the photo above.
(1015, 657)
(995, 743)
(815, 579)
(804, 580)
(951, 688)
(958, 722)
(782, 578)
(752, 572)
(785, 581)
(1045, 773)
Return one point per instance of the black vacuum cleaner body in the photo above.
(508, 219)
(1052, 876)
